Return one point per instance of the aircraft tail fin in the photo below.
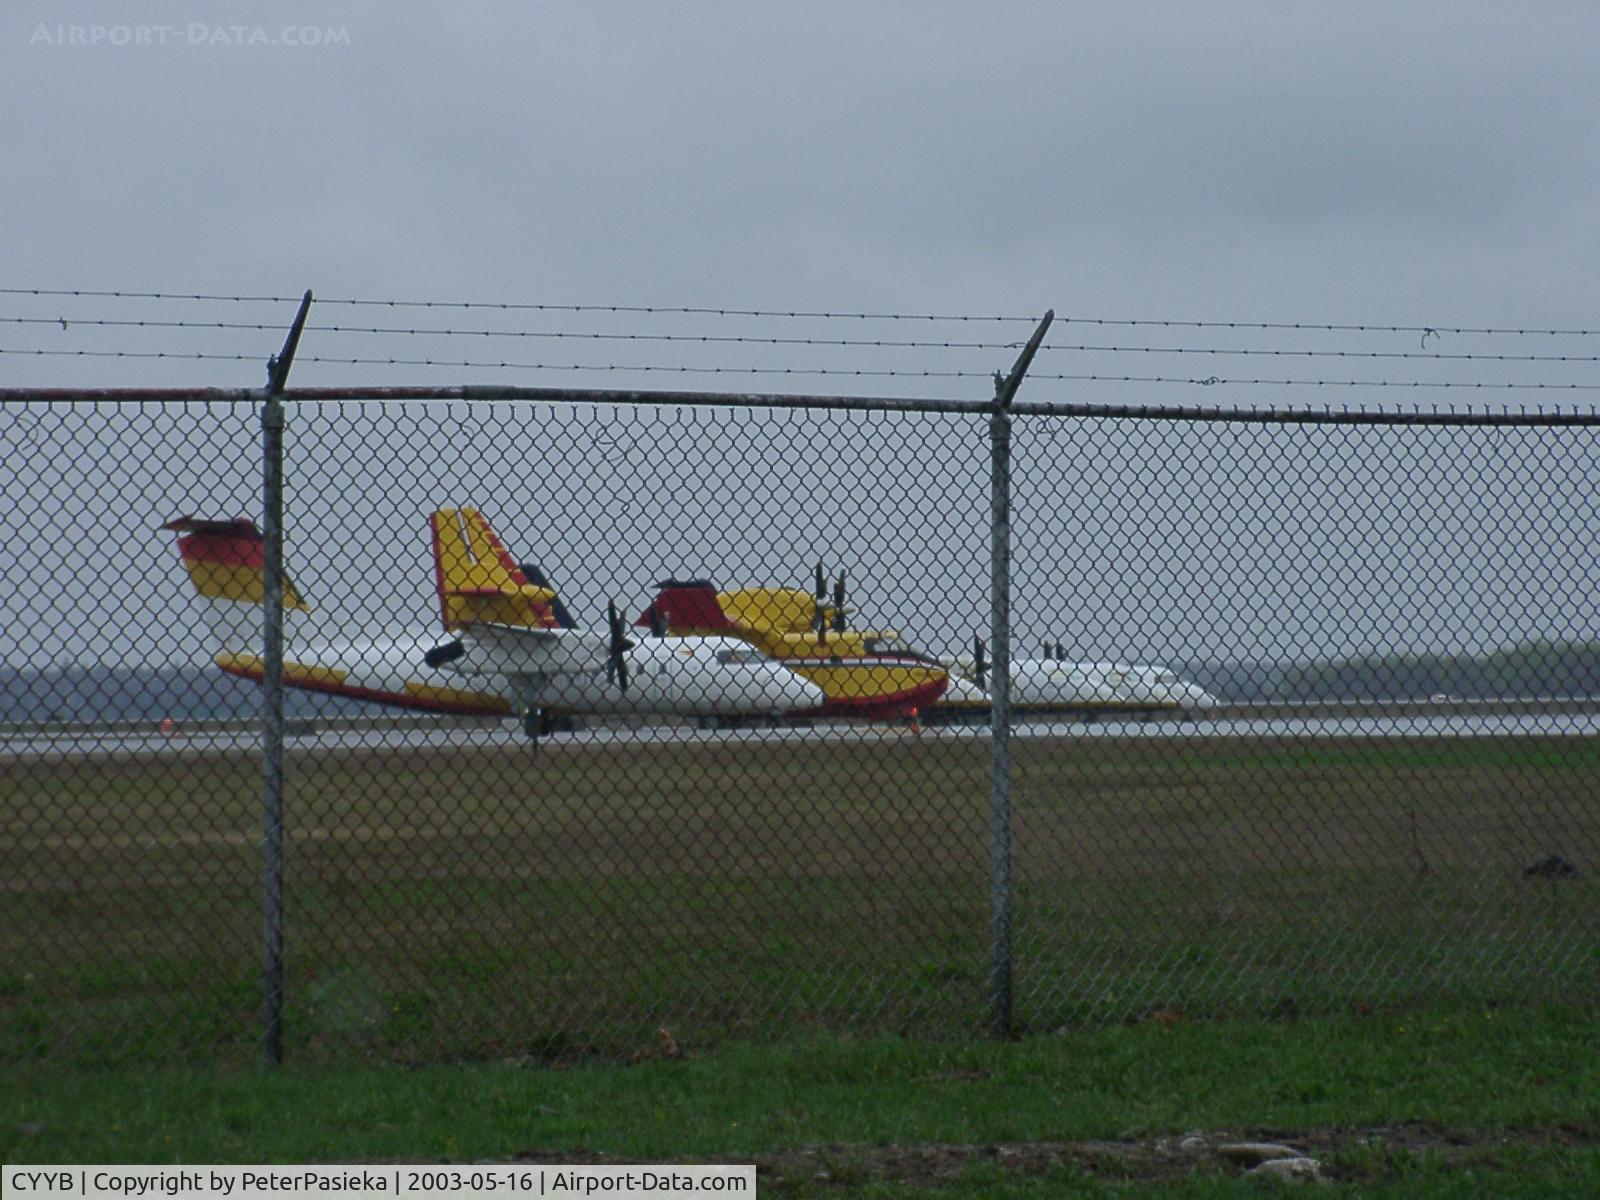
(479, 581)
(687, 607)
(226, 565)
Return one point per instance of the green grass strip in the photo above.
(1506, 1096)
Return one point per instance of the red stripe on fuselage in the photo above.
(491, 706)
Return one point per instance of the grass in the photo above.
(485, 903)
(1427, 1102)
(1332, 943)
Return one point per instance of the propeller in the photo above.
(980, 663)
(616, 663)
(447, 653)
(819, 619)
(656, 619)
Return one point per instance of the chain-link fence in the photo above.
(1305, 718)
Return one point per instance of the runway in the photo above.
(65, 744)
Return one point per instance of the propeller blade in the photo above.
(657, 620)
(819, 617)
(616, 663)
(447, 653)
(838, 604)
(980, 662)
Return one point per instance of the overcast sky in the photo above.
(1420, 165)
(1433, 164)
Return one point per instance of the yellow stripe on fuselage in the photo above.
(338, 682)
(246, 585)
(294, 674)
(851, 676)
(866, 680)
(485, 701)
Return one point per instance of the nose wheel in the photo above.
(534, 725)
(536, 720)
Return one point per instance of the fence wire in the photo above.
(1308, 720)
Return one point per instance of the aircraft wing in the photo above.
(489, 648)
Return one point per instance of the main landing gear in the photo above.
(541, 723)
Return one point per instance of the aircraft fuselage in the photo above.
(683, 676)
(1048, 685)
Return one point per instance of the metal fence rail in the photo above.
(1305, 717)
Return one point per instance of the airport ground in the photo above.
(1334, 940)
(453, 901)
(1440, 717)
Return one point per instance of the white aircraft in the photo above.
(1054, 685)
(515, 650)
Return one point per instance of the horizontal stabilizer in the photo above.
(491, 648)
(557, 609)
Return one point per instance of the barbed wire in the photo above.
(748, 339)
(528, 306)
(573, 335)
(1425, 330)
(842, 372)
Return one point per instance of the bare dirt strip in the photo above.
(1369, 1155)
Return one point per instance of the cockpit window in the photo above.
(738, 658)
(885, 645)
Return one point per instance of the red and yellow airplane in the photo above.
(871, 674)
(879, 674)
(514, 649)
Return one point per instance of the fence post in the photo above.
(1000, 676)
(272, 686)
